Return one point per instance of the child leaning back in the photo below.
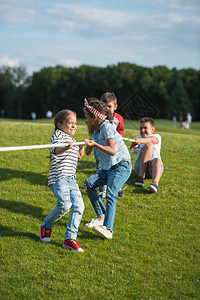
(62, 181)
(148, 162)
(115, 165)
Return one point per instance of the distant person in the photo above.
(2, 113)
(49, 114)
(148, 162)
(33, 115)
(189, 119)
(174, 121)
(184, 125)
(62, 181)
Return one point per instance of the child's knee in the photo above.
(156, 165)
(149, 147)
(81, 207)
(64, 207)
(156, 162)
(87, 184)
(78, 207)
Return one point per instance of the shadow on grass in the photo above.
(34, 178)
(136, 189)
(6, 231)
(22, 208)
(88, 234)
(140, 190)
(86, 167)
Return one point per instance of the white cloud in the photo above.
(99, 32)
(70, 62)
(16, 12)
(11, 62)
(92, 22)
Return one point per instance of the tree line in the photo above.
(171, 92)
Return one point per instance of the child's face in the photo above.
(111, 107)
(146, 129)
(68, 125)
(90, 122)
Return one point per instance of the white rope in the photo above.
(2, 149)
(130, 140)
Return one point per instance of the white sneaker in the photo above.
(103, 232)
(94, 222)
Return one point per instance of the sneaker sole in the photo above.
(92, 225)
(42, 240)
(101, 234)
(152, 189)
(67, 247)
(139, 184)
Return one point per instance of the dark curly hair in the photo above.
(98, 105)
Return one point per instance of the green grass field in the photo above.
(155, 250)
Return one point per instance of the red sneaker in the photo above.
(45, 234)
(72, 245)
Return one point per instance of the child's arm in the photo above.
(139, 141)
(61, 150)
(88, 150)
(81, 151)
(110, 149)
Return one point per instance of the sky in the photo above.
(44, 33)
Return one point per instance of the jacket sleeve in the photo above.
(120, 127)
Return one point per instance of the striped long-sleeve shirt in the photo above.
(62, 165)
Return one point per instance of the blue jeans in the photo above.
(115, 177)
(103, 187)
(68, 196)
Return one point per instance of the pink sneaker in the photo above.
(72, 245)
(45, 234)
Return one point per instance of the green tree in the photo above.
(179, 101)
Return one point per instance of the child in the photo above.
(62, 181)
(148, 161)
(102, 189)
(115, 165)
(110, 101)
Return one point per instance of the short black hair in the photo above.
(109, 97)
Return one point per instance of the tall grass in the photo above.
(154, 253)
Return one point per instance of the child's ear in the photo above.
(116, 106)
(153, 129)
(59, 125)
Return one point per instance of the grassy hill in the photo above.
(155, 250)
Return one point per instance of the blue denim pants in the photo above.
(68, 195)
(115, 177)
(103, 187)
